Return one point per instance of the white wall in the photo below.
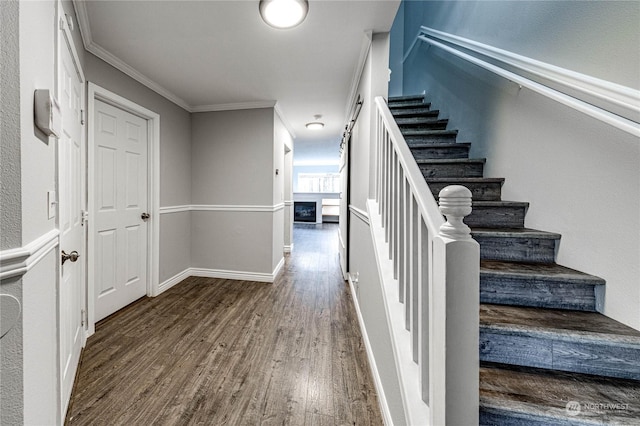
(11, 344)
(38, 170)
(581, 176)
(362, 261)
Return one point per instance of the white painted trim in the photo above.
(153, 142)
(288, 203)
(174, 209)
(288, 248)
(624, 97)
(278, 269)
(286, 122)
(177, 278)
(92, 47)
(221, 208)
(360, 214)
(220, 273)
(377, 381)
(18, 261)
(233, 106)
(234, 275)
(602, 100)
(362, 60)
(111, 59)
(416, 411)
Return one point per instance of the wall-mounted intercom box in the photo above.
(47, 113)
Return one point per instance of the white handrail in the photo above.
(623, 97)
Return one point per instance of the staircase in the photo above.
(547, 356)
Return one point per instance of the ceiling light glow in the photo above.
(283, 14)
(316, 125)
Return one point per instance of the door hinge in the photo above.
(83, 315)
(84, 217)
(82, 117)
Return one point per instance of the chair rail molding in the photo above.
(222, 208)
(603, 100)
(18, 261)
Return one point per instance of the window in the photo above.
(319, 182)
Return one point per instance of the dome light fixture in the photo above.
(283, 14)
(315, 125)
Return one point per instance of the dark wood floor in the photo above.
(214, 352)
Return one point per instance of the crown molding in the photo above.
(233, 106)
(284, 120)
(91, 46)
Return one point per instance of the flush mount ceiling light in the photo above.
(283, 14)
(315, 125)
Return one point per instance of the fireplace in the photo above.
(304, 211)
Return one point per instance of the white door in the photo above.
(344, 210)
(120, 205)
(71, 203)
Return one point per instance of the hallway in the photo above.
(214, 351)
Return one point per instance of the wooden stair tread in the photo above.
(590, 326)
(450, 160)
(499, 204)
(538, 396)
(428, 132)
(541, 270)
(438, 145)
(412, 121)
(462, 181)
(423, 110)
(393, 99)
(514, 232)
(407, 104)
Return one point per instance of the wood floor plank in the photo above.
(215, 351)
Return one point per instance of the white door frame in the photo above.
(97, 93)
(64, 40)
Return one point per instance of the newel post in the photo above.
(457, 265)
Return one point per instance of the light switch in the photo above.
(51, 204)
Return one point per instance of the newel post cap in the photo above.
(455, 204)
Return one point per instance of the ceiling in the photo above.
(215, 55)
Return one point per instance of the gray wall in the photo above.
(361, 250)
(570, 167)
(175, 161)
(228, 168)
(11, 384)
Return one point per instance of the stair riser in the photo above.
(496, 217)
(426, 125)
(455, 170)
(479, 191)
(521, 291)
(609, 359)
(446, 138)
(517, 249)
(440, 153)
(423, 111)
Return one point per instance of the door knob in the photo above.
(73, 256)
(145, 216)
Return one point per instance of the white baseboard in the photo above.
(277, 270)
(220, 273)
(166, 285)
(382, 400)
(288, 248)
